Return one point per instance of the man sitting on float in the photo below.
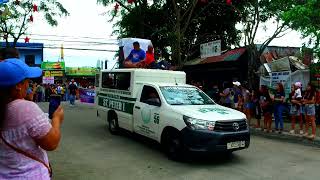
(136, 57)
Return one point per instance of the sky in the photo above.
(87, 20)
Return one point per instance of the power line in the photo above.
(68, 48)
(72, 41)
(76, 37)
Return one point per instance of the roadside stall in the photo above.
(287, 71)
(84, 76)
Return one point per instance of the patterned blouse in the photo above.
(25, 122)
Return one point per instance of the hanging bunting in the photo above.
(116, 7)
(35, 8)
(31, 18)
(17, 2)
(27, 39)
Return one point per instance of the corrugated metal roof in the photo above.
(231, 55)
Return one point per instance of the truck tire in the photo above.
(113, 125)
(173, 145)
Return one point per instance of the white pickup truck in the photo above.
(158, 104)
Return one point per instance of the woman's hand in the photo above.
(59, 114)
(51, 141)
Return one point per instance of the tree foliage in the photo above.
(304, 16)
(180, 24)
(17, 16)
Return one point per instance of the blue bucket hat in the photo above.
(13, 71)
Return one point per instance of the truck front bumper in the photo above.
(210, 141)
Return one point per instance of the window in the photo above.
(97, 80)
(150, 96)
(30, 60)
(119, 80)
(177, 95)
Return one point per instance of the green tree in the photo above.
(304, 16)
(255, 16)
(180, 24)
(16, 16)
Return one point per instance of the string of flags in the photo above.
(7, 12)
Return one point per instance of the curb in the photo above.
(285, 136)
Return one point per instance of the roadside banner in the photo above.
(87, 95)
(48, 80)
(283, 77)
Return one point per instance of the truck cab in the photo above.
(159, 105)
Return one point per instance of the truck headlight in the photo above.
(198, 124)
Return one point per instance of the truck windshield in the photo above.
(176, 95)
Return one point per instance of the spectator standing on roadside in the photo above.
(63, 92)
(240, 103)
(29, 96)
(39, 93)
(295, 107)
(26, 131)
(310, 111)
(247, 103)
(213, 92)
(227, 96)
(72, 93)
(59, 90)
(266, 106)
(279, 107)
(257, 108)
(237, 91)
(47, 92)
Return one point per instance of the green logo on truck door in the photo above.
(146, 115)
(217, 110)
(116, 104)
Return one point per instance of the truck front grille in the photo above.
(230, 126)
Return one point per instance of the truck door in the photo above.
(146, 113)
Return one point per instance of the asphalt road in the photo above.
(89, 151)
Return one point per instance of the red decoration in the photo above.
(35, 8)
(116, 7)
(27, 39)
(31, 18)
(229, 2)
(17, 2)
(130, 1)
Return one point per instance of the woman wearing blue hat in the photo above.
(25, 130)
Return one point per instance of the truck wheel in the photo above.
(173, 146)
(113, 125)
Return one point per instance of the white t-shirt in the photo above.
(297, 93)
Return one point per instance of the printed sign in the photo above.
(210, 49)
(56, 73)
(116, 104)
(87, 95)
(281, 77)
(83, 71)
(53, 65)
(48, 80)
(47, 74)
